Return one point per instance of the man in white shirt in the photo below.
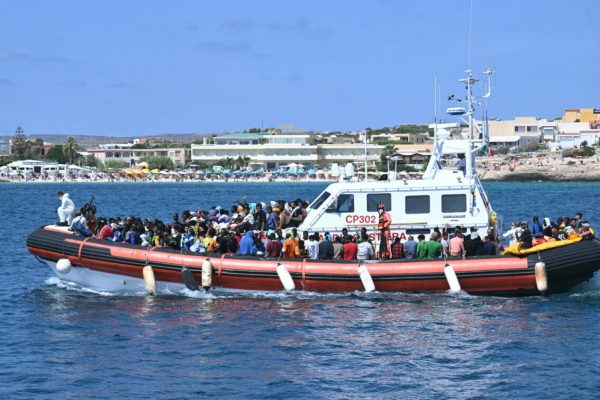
(513, 234)
(312, 247)
(365, 249)
(66, 209)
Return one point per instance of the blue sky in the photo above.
(152, 67)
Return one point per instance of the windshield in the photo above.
(319, 200)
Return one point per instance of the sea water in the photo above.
(63, 342)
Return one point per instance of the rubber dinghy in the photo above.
(106, 266)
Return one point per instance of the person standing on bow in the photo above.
(385, 221)
(66, 209)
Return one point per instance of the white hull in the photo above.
(112, 283)
(104, 282)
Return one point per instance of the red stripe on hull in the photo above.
(484, 284)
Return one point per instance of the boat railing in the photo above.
(402, 226)
(405, 188)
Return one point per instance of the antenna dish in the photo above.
(456, 111)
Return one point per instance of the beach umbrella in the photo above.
(146, 171)
(349, 169)
(335, 169)
(155, 171)
(142, 165)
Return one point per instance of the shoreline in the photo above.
(532, 177)
(532, 167)
(215, 181)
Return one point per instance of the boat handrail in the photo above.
(403, 226)
(405, 189)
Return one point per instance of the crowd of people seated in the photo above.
(257, 229)
(564, 228)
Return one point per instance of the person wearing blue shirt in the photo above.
(411, 248)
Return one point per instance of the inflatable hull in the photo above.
(115, 267)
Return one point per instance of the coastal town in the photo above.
(521, 149)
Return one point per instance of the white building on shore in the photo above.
(36, 166)
(275, 150)
(515, 132)
(566, 133)
(131, 154)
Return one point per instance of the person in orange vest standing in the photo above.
(385, 220)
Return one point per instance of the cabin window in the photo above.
(374, 199)
(416, 205)
(343, 204)
(320, 200)
(454, 203)
(418, 231)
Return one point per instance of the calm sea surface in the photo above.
(61, 343)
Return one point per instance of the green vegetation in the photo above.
(258, 130)
(501, 150)
(91, 161)
(382, 165)
(115, 164)
(407, 168)
(234, 163)
(161, 144)
(70, 149)
(56, 154)
(158, 162)
(25, 149)
(390, 142)
(400, 129)
(531, 147)
(583, 151)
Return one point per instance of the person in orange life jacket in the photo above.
(385, 220)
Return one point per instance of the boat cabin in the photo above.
(416, 206)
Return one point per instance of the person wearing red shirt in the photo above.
(107, 232)
(350, 249)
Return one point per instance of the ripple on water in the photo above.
(61, 341)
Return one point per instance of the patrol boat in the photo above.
(443, 196)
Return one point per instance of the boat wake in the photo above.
(588, 289)
(194, 294)
(59, 283)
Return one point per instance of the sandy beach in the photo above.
(538, 167)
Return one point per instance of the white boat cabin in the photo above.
(416, 206)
